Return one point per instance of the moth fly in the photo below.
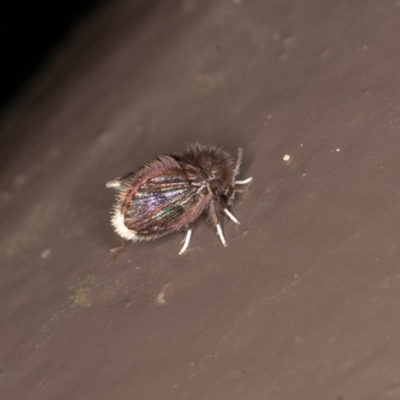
(171, 192)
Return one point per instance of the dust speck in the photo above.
(287, 159)
(19, 180)
(5, 196)
(45, 253)
(81, 297)
(115, 252)
(160, 299)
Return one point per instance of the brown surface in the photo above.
(305, 301)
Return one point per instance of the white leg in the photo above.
(186, 241)
(244, 181)
(231, 216)
(115, 184)
(221, 235)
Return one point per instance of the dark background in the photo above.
(29, 34)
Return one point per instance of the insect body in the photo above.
(172, 191)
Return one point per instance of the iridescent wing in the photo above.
(163, 203)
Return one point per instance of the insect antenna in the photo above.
(238, 162)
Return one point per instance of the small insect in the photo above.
(169, 193)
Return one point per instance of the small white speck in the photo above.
(161, 298)
(301, 144)
(338, 150)
(287, 159)
(45, 253)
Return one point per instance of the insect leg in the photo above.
(212, 213)
(231, 216)
(186, 241)
(221, 235)
(244, 181)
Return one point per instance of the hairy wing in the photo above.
(163, 204)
